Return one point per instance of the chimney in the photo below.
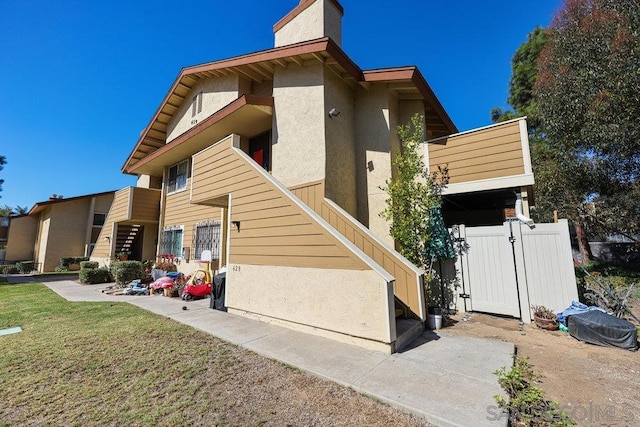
(311, 19)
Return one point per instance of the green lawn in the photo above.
(115, 364)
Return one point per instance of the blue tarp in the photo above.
(575, 308)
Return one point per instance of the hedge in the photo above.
(88, 265)
(94, 275)
(65, 262)
(126, 271)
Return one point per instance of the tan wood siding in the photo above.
(407, 282)
(145, 205)
(120, 207)
(180, 212)
(483, 154)
(119, 212)
(274, 230)
(130, 205)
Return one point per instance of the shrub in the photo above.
(94, 275)
(10, 269)
(88, 265)
(126, 271)
(526, 403)
(25, 266)
(65, 262)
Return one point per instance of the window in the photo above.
(4, 221)
(207, 237)
(171, 243)
(98, 219)
(178, 177)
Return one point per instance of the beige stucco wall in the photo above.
(376, 120)
(67, 232)
(349, 302)
(216, 93)
(298, 153)
(318, 20)
(21, 239)
(340, 182)
(147, 181)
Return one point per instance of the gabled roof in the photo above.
(39, 206)
(409, 83)
(260, 66)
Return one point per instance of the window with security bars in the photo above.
(207, 237)
(171, 243)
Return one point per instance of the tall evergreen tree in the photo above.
(3, 161)
(587, 94)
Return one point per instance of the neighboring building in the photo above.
(58, 228)
(274, 161)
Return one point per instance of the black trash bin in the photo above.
(217, 292)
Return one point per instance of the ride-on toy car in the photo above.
(199, 285)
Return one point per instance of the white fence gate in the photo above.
(506, 269)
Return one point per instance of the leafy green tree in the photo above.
(413, 192)
(20, 210)
(587, 96)
(523, 79)
(3, 161)
(577, 83)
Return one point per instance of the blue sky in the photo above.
(80, 79)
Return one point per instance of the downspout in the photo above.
(519, 213)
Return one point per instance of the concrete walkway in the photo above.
(445, 378)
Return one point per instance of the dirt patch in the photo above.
(595, 385)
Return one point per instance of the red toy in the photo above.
(198, 286)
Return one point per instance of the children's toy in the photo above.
(199, 285)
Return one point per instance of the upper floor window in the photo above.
(178, 176)
(4, 221)
(98, 219)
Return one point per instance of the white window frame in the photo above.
(178, 185)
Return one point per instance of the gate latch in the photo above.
(465, 296)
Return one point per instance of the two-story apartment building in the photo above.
(275, 160)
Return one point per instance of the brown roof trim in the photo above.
(412, 73)
(304, 4)
(311, 46)
(222, 113)
(324, 44)
(38, 205)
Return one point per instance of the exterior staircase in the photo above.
(126, 237)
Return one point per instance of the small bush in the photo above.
(65, 262)
(25, 266)
(126, 271)
(88, 265)
(94, 275)
(10, 269)
(526, 403)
